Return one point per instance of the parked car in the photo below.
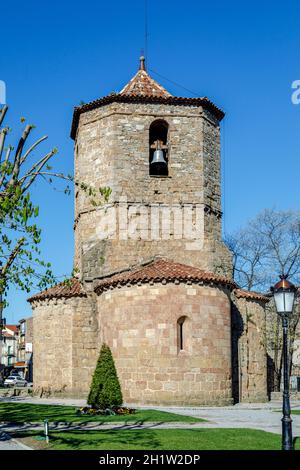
(15, 373)
(15, 381)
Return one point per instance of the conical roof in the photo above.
(144, 89)
(144, 85)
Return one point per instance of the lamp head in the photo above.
(284, 296)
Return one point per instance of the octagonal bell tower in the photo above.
(160, 157)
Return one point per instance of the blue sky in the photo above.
(242, 55)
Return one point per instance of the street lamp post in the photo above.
(284, 296)
(2, 320)
(2, 323)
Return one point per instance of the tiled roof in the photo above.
(13, 328)
(7, 335)
(144, 89)
(161, 270)
(20, 364)
(241, 293)
(71, 288)
(156, 271)
(144, 85)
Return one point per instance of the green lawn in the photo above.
(25, 412)
(293, 412)
(167, 439)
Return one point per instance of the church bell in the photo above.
(158, 156)
(159, 164)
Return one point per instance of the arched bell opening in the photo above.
(158, 147)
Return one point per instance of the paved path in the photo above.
(8, 443)
(255, 416)
(82, 402)
(45, 401)
(266, 419)
(96, 426)
(255, 419)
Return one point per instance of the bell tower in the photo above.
(160, 157)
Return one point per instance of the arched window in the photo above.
(181, 340)
(158, 147)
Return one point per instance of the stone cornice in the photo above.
(204, 102)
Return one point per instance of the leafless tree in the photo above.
(269, 246)
(248, 252)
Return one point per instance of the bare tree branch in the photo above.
(35, 171)
(3, 111)
(14, 253)
(32, 148)
(17, 159)
(3, 133)
(267, 247)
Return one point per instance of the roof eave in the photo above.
(251, 295)
(62, 290)
(209, 280)
(36, 298)
(118, 98)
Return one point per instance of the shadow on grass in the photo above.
(295, 441)
(27, 417)
(22, 412)
(112, 439)
(154, 439)
(31, 413)
(4, 437)
(77, 426)
(107, 439)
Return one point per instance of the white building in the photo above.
(9, 349)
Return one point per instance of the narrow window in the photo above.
(180, 333)
(158, 146)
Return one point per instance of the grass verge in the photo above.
(30, 413)
(151, 439)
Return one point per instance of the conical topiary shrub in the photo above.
(105, 389)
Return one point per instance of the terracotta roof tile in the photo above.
(160, 270)
(13, 328)
(144, 89)
(73, 288)
(144, 85)
(246, 294)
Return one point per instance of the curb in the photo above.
(25, 447)
(12, 439)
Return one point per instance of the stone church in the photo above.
(180, 330)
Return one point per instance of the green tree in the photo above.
(20, 258)
(20, 261)
(105, 389)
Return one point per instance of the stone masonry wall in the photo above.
(65, 345)
(249, 351)
(29, 330)
(112, 149)
(139, 323)
(85, 345)
(52, 338)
